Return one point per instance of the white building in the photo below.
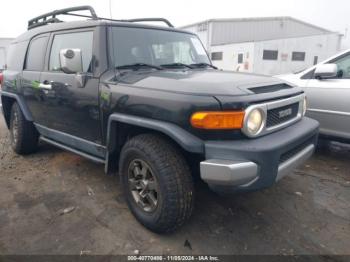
(271, 45)
(4, 44)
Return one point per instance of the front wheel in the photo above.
(157, 182)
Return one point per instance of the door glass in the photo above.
(36, 54)
(81, 40)
(343, 64)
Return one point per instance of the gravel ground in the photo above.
(54, 202)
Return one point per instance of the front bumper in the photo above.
(253, 164)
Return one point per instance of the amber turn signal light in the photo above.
(218, 120)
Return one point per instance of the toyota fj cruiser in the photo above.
(146, 100)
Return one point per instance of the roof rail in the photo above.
(151, 20)
(50, 18)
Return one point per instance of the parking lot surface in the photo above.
(54, 202)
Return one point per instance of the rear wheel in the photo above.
(157, 182)
(23, 135)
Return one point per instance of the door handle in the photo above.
(45, 85)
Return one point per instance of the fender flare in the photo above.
(20, 100)
(185, 139)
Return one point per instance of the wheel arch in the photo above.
(121, 127)
(7, 100)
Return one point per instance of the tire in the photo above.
(169, 181)
(23, 135)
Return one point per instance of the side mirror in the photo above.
(71, 61)
(325, 71)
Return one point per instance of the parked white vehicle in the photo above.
(327, 86)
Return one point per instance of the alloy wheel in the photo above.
(143, 185)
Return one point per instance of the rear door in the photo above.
(71, 110)
(33, 65)
(329, 100)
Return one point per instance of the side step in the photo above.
(75, 151)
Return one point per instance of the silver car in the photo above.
(327, 86)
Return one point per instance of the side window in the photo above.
(36, 54)
(81, 40)
(15, 56)
(343, 64)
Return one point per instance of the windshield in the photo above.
(155, 47)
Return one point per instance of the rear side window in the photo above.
(36, 54)
(15, 56)
(81, 40)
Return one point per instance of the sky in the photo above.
(329, 14)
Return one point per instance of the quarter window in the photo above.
(81, 40)
(270, 55)
(15, 56)
(36, 54)
(216, 56)
(298, 56)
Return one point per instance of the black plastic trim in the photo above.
(186, 140)
(73, 142)
(21, 103)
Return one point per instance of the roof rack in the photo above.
(50, 17)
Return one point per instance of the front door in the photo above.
(71, 110)
(329, 100)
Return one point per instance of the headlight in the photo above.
(254, 121)
(304, 106)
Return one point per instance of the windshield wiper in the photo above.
(177, 65)
(204, 65)
(138, 65)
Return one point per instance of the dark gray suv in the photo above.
(146, 100)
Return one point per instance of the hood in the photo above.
(199, 82)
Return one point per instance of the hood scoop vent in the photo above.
(269, 88)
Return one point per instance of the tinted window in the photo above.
(81, 40)
(36, 54)
(240, 58)
(270, 55)
(309, 75)
(157, 47)
(15, 56)
(298, 56)
(343, 64)
(216, 56)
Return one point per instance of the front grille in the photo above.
(295, 150)
(278, 115)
